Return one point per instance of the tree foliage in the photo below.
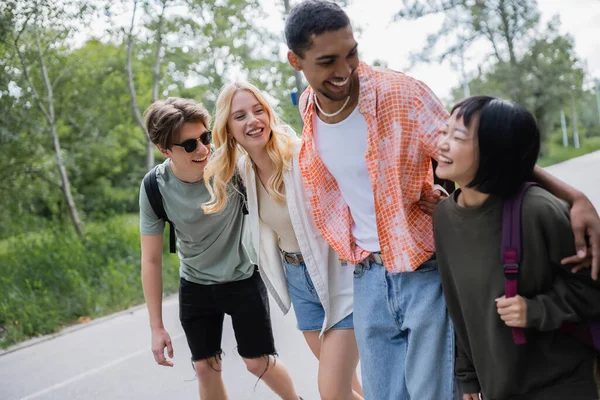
(526, 62)
(205, 44)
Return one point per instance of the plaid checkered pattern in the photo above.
(404, 120)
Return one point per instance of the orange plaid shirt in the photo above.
(404, 121)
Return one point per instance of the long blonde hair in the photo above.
(221, 167)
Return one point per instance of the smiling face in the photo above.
(330, 63)
(189, 167)
(458, 151)
(248, 121)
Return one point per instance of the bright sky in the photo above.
(392, 42)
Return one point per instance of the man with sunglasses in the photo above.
(217, 274)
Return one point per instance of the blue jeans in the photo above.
(404, 333)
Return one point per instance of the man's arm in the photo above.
(152, 284)
(572, 297)
(431, 117)
(584, 221)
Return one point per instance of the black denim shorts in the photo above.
(202, 309)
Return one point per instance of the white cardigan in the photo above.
(332, 280)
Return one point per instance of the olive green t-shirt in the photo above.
(211, 248)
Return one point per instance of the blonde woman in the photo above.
(296, 263)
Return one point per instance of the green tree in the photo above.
(103, 149)
(590, 113)
(505, 26)
(93, 124)
(159, 27)
(36, 40)
(549, 70)
(193, 47)
(99, 129)
(552, 76)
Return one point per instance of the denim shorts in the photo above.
(307, 306)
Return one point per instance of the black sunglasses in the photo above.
(191, 145)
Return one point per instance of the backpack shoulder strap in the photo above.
(511, 248)
(153, 193)
(239, 185)
(155, 199)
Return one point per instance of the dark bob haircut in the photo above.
(509, 143)
(312, 17)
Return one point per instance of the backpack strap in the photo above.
(239, 185)
(511, 249)
(155, 199)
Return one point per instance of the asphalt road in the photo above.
(110, 359)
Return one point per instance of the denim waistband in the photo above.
(293, 258)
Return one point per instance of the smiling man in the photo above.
(369, 136)
(217, 275)
(368, 139)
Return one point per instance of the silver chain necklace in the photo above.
(332, 114)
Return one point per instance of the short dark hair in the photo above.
(312, 17)
(509, 143)
(164, 119)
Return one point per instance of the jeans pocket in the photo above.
(308, 281)
(286, 267)
(359, 270)
(428, 266)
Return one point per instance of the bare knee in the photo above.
(258, 366)
(207, 367)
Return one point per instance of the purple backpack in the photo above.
(589, 331)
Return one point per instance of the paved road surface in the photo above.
(110, 359)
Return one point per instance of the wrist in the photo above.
(158, 326)
(574, 196)
(533, 314)
(443, 191)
